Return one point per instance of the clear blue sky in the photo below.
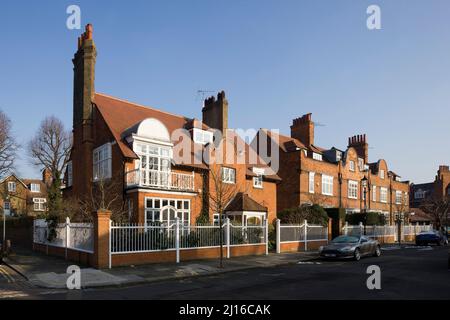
(275, 59)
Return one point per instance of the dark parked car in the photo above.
(351, 247)
(429, 237)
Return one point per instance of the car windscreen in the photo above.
(345, 239)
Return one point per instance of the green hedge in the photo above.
(336, 213)
(369, 219)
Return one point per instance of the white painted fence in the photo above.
(384, 231)
(75, 236)
(304, 233)
(135, 238)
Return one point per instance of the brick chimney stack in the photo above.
(359, 143)
(442, 182)
(303, 129)
(83, 96)
(47, 177)
(215, 112)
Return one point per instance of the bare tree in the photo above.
(220, 195)
(439, 209)
(50, 149)
(106, 194)
(8, 146)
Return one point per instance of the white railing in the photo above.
(135, 238)
(160, 179)
(384, 231)
(303, 233)
(76, 236)
(409, 230)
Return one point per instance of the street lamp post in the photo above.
(4, 226)
(398, 219)
(364, 181)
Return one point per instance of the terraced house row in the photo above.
(136, 150)
(333, 177)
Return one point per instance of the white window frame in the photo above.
(352, 189)
(352, 165)
(311, 180)
(382, 174)
(383, 195)
(154, 163)
(158, 204)
(361, 164)
(398, 197)
(102, 162)
(35, 187)
(327, 185)
(317, 156)
(419, 194)
(374, 193)
(202, 136)
(39, 204)
(12, 186)
(228, 175)
(69, 174)
(258, 182)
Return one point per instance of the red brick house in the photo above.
(438, 189)
(138, 147)
(24, 197)
(333, 177)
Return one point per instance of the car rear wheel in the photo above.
(377, 252)
(357, 255)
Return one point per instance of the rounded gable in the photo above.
(150, 128)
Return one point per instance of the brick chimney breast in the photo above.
(359, 143)
(215, 112)
(303, 129)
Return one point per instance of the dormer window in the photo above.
(317, 156)
(202, 136)
(35, 187)
(420, 194)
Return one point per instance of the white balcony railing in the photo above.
(160, 179)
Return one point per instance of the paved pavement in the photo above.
(49, 272)
(406, 273)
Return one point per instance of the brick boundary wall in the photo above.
(126, 259)
(385, 240)
(300, 246)
(81, 257)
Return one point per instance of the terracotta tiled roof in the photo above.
(121, 115)
(242, 202)
(290, 144)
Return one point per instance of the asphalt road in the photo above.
(408, 273)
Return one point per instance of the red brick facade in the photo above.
(306, 168)
(102, 121)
